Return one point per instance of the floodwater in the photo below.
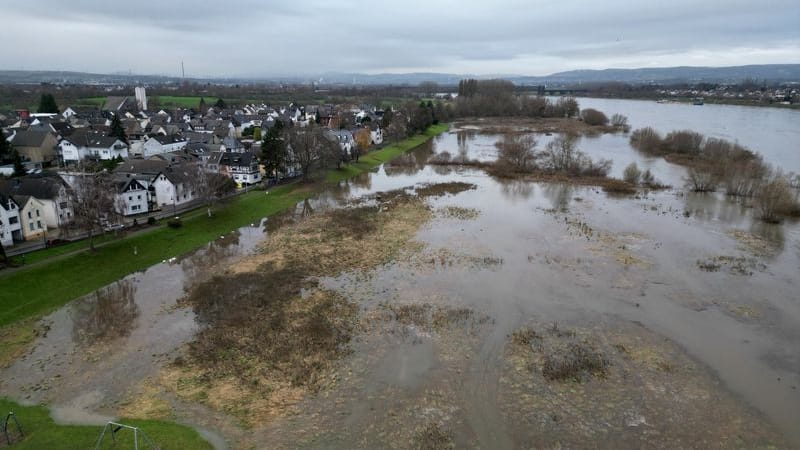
(693, 272)
(773, 132)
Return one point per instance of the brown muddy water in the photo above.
(674, 319)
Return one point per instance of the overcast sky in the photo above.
(265, 37)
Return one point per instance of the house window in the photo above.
(13, 220)
(30, 216)
(30, 225)
(39, 224)
(37, 213)
(130, 198)
(138, 197)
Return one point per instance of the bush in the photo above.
(646, 140)
(684, 142)
(632, 174)
(594, 117)
(151, 220)
(518, 152)
(774, 199)
(174, 223)
(561, 155)
(620, 121)
(615, 186)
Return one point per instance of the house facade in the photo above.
(132, 196)
(31, 217)
(156, 145)
(10, 226)
(242, 167)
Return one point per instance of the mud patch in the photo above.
(625, 388)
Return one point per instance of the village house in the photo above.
(50, 190)
(132, 195)
(31, 217)
(91, 145)
(242, 167)
(35, 146)
(10, 226)
(159, 144)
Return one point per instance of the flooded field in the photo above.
(425, 306)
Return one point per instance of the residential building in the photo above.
(10, 226)
(31, 216)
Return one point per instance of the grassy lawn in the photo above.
(38, 289)
(89, 101)
(164, 101)
(41, 432)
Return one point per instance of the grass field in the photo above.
(40, 288)
(40, 432)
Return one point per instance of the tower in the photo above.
(141, 98)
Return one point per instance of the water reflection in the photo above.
(197, 266)
(559, 194)
(109, 314)
(515, 189)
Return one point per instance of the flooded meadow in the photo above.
(436, 306)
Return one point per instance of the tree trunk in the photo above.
(91, 240)
(208, 210)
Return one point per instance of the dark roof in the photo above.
(91, 139)
(4, 199)
(164, 140)
(39, 187)
(30, 138)
(142, 166)
(233, 158)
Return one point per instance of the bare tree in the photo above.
(210, 186)
(311, 149)
(94, 201)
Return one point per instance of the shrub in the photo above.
(702, 179)
(618, 120)
(517, 152)
(615, 186)
(562, 155)
(632, 174)
(576, 361)
(684, 142)
(647, 178)
(646, 140)
(174, 223)
(594, 117)
(774, 199)
(151, 220)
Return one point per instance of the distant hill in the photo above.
(766, 72)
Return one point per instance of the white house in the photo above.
(344, 138)
(173, 187)
(241, 166)
(51, 191)
(157, 145)
(10, 226)
(132, 196)
(92, 145)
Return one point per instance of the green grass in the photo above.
(164, 101)
(89, 101)
(40, 288)
(42, 433)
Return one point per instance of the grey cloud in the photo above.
(252, 37)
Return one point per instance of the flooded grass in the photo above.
(270, 334)
(735, 265)
(619, 386)
(457, 212)
(439, 189)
